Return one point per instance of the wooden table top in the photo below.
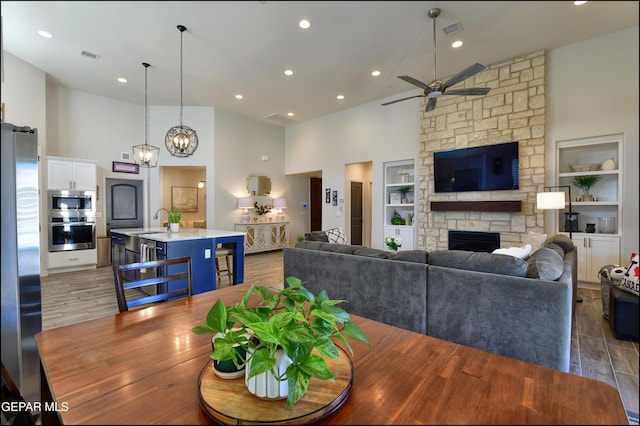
(142, 367)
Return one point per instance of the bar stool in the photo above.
(226, 253)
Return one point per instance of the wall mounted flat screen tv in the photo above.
(481, 168)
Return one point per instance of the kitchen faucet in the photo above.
(155, 216)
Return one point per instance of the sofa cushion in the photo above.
(336, 236)
(478, 261)
(309, 245)
(562, 240)
(545, 264)
(371, 252)
(415, 256)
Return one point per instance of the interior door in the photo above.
(124, 204)
(356, 213)
(315, 190)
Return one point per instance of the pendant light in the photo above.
(181, 141)
(146, 155)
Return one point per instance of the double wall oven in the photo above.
(72, 220)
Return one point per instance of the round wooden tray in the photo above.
(228, 401)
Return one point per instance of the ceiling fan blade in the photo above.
(431, 104)
(464, 74)
(403, 99)
(413, 81)
(468, 92)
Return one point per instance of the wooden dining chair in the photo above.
(155, 281)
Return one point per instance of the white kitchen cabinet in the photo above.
(399, 207)
(67, 173)
(74, 260)
(594, 252)
(404, 232)
(264, 236)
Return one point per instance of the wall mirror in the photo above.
(258, 185)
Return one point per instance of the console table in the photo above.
(264, 236)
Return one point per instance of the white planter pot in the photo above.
(174, 227)
(265, 385)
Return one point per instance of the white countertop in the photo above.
(160, 234)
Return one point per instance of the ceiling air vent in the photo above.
(89, 55)
(278, 119)
(451, 28)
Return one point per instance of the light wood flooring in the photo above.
(73, 297)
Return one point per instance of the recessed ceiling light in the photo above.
(290, 114)
(304, 24)
(122, 79)
(340, 97)
(456, 44)
(45, 34)
(239, 96)
(579, 3)
(288, 72)
(375, 73)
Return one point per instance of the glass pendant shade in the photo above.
(146, 155)
(181, 141)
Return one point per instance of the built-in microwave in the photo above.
(72, 203)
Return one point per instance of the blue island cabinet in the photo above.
(202, 252)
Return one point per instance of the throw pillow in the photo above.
(545, 264)
(336, 236)
(630, 280)
(562, 240)
(519, 252)
(556, 248)
(317, 236)
(535, 239)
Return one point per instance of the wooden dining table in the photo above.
(142, 367)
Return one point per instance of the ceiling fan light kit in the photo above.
(437, 87)
(181, 141)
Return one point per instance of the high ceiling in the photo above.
(243, 47)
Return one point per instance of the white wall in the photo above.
(368, 132)
(593, 91)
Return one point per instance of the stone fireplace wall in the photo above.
(514, 110)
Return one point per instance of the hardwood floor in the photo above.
(73, 297)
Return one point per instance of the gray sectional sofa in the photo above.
(494, 302)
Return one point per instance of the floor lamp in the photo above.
(555, 201)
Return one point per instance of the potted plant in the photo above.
(393, 243)
(404, 190)
(261, 209)
(292, 321)
(585, 183)
(174, 220)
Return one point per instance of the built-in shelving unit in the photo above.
(399, 175)
(601, 247)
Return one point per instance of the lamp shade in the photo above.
(550, 200)
(245, 202)
(279, 203)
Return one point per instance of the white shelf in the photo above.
(399, 174)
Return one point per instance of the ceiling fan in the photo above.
(438, 88)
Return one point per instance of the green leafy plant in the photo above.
(300, 238)
(294, 320)
(404, 190)
(175, 216)
(394, 243)
(585, 182)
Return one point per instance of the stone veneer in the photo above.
(514, 110)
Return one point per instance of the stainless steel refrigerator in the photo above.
(20, 243)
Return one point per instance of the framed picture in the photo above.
(125, 167)
(184, 199)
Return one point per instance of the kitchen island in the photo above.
(130, 245)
